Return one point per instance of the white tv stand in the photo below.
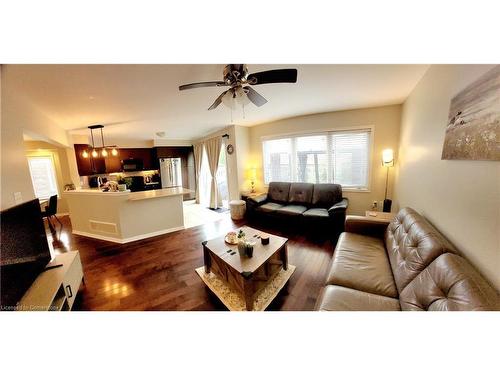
(55, 289)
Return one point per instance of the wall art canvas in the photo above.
(473, 130)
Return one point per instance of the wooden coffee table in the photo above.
(260, 277)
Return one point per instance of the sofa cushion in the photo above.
(326, 195)
(449, 283)
(278, 192)
(269, 207)
(338, 298)
(317, 212)
(291, 210)
(301, 193)
(412, 244)
(360, 262)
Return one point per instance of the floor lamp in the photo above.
(387, 161)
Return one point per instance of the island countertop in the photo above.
(157, 193)
(133, 196)
(126, 216)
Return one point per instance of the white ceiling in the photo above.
(136, 101)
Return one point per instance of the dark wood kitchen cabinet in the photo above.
(145, 154)
(111, 164)
(89, 165)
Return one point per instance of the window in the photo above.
(339, 157)
(278, 160)
(311, 158)
(43, 176)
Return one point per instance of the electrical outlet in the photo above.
(374, 205)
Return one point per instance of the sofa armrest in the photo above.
(339, 206)
(365, 225)
(258, 199)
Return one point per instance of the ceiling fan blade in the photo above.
(203, 84)
(217, 101)
(273, 76)
(255, 97)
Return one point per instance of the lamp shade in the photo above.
(252, 174)
(388, 158)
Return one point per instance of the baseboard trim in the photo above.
(129, 239)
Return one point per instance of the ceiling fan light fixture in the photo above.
(241, 96)
(228, 99)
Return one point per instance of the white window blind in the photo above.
(339, 157)
(43, 176)
(311, 157)
(278, 160)
(350, 152)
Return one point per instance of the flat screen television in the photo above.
(24, 251)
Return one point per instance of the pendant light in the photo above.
(104, 153)
(95, 152)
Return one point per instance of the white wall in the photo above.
(385, 122)
(19, 115)
(461, 198)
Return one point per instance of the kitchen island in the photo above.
(123, 217)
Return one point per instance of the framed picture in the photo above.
(473, 130)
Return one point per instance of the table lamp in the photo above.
(252, 174)
(387, 161)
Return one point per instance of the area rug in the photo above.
(234, 301)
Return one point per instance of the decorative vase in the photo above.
(242, 245)
(249, 249)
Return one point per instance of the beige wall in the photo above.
(461, 198)
(63, 175)
(242, 150)
(385, 122)
(20, 116)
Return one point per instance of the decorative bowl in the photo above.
(231, 238)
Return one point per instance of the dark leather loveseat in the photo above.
(405, 264)
(314, 205)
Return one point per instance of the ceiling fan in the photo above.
(238, 80)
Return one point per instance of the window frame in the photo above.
(54, 173)
(369, 128)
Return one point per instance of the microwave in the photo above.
(132, 164)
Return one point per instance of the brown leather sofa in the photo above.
(402, 265)
(313, 205)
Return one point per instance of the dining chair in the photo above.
(51, 210)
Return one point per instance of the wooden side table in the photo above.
(376, 215)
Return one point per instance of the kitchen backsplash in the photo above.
(84, 180)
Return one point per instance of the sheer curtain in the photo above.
(212, 147)
(198, 157)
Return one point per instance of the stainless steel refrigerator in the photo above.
(170, 172)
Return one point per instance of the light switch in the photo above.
(18, 197)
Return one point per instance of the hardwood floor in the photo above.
(158, 273)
